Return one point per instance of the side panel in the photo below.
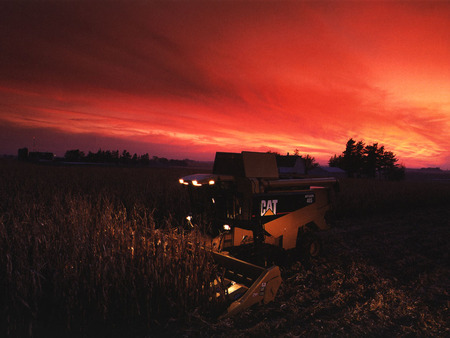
(287, 225)
(274, 205)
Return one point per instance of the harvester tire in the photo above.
(309, 245)
(315, 245)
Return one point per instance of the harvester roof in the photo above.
(246, 164)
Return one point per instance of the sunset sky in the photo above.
(184, 79)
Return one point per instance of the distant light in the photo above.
(189, 218)
(195, 183)
(211, 182)
(226, 227)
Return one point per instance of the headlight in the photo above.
(183, 181)
(189, 219)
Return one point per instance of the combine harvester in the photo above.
(260, 204)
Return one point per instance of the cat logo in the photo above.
(269, 207)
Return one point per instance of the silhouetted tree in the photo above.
(75, 155)
(108, 156)
(336, 161)
(310, 162)
(91, 157)
(115, 156)
(144, 159)
(134, 159)
(372, 159)
(389, 167)
(22, 154)
(126, 157)
(353, 157)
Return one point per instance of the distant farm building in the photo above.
(291, 166)
(327, 172)
(34, 156)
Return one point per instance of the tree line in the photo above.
(125, 158)
(101, 156)
(371, 160)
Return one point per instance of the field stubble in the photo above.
(91, 251)
(379, 276)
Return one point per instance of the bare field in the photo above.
(89, 252)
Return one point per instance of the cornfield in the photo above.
(80, 250)
(99, 251)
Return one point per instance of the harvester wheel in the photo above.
(309, 244)
(315, 246)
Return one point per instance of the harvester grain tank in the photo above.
(256, 203)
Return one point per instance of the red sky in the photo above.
(186, 79)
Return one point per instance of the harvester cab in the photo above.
(254, 201)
